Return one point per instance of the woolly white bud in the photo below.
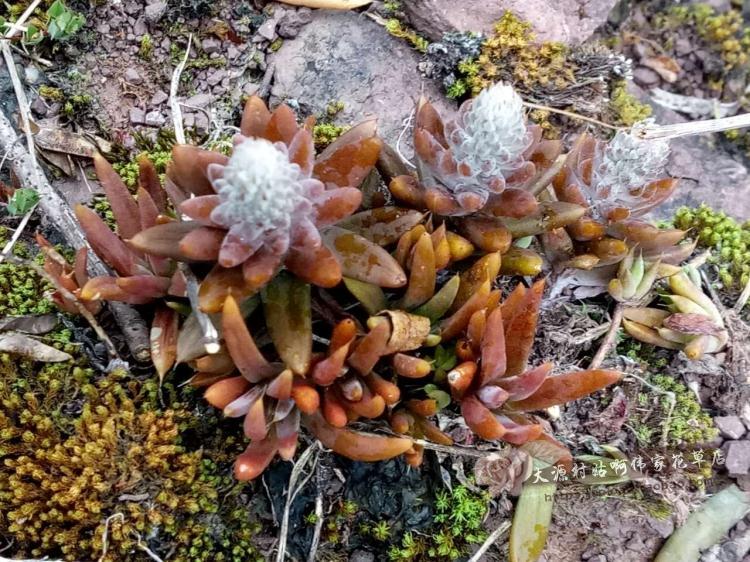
(628, 162)
(262, 193)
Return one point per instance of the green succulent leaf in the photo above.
(442, 398)
(531, 520)
(22, 201)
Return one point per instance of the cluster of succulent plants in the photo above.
(729, 239)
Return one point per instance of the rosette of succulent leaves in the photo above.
(329, 307)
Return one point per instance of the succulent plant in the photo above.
(635, 278)
(265, 206)
(691, 322)
(616, 182)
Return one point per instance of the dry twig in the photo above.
(496, 534)
(609, 339)
(174, 104)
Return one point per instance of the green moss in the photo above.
(626, 107)
(146, 48)
(459, 515)
(325, 133)
(51, 94)
(128, 170)
(397, 29)
(729, 239)
(21, 288)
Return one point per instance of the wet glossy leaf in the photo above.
(287, 308)
(363, 260)
(422, 274)
(255, 459)
(384, 225)
(247, 358)
(480, 419)
(218, 284)
(348, 160)
(164, 239)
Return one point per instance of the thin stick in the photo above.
(210, 334)
(744, 296)
(609, 339)
(311, 557)
(179, 129)
(105, 535)
(653, 131)
(82, 310)
(311, 452)
(573, 115)
(17, 234)
(458, 451)
(496, 534)
(20, 21)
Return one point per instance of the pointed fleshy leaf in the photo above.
(521, 261)
(222, 393)
(648, 335)
(440, 303)
(302, 151)
(333, 205)
(218, 284)
(348, 160)
(548, 216)
(108, 289)
(199, 208)
(242, 404)
(370, 296)
(282, 127)
(363, 260)
(494, 360)
(189, 168)
(105, 243)
(202, 244)
(487, 234)
(524, 385)
(147, 286)
(566, 388)
(305, 396)
(531, 521)
(148, 212)
(520, 329)
(255, 117)
(218, 364)
(255, 424)
(452, 326)
(519, 433)
(247, 358)
(124, 207)
(287, 432)
(371, 348)
(480, 419)
(255, 459)
(164, 239)
(281, 386)
(287, 307)
(163, 338)
(383, 226)
(411, 367)
(549, 450)
(318, 266)
(356, 446)
(422, 274)
(148, 179)
(484, 269)
(388, 391)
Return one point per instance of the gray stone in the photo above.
(380, 80)
(233, 52)
(730, 427)
(132, 76)
(267, 30)
(199, 100)
(737, 455)
(31, 74)
(211, 45)
(39, 106)
(155, 11)
(159, 97)
(155, 119)
(292, 22)
(646, 77)
(360, 555)
(140, 29)
(569, 21)
(201, 123)
(216, 76)
(137, 116)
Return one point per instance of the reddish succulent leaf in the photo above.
(480, 419)
(255, 425)
(411, 367)
(646, 235)
(282, 126)
(385, 389)
(255, 117)
(202, 244)
(318, 266)
(260, 268)
(460, 378)
(148, 179)
(287, 432)
(492, 396)
(243, 403)
(487, 234)
(241, 345)
(224, 392)
(218, 363)
(519, 433)
(406, 189)
(288, 313)
(106, 243)
(350, 158)
(384, 225)
(549, 450)
(333, 410)
(566, 388)
(302, 151)
(512, 202)
(189, 168)
(356, 446)
(255, 459)
(281, 386)
(108, 289)
(219, 283)
(329, 369)
(520, 328)
(123, 204)
(524, 385)
(200, 208)
(494, 360)
(422, 274)
(451, 327)
(202, 380)
(305, 396)
(164, 239)
(694, 324)
(432, 433)
(484, 269)
(147, 209)
(145, 286)
(424, 408)
(429, 119)
(80, 267)
(336, 204)
(371, 348)
(362, 260)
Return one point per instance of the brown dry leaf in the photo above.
(408, 331)
(694, 324)
(29, 324)
(60, 140)
(20, 344)
(504, 471)
(664, 66)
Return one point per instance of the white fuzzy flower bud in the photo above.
(262, 193)
(490, 135)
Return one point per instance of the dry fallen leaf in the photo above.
(29, 324)
(19, 344)
(664, 66)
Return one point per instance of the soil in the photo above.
(243, 48)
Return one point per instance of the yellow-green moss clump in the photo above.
(160, 156)
(78, 456)
(397, 29)
(512, 55)
(21, 289)
(729, 239)
(625, 106)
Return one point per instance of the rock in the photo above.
(683, 46)
(569, 21)
(159, 97)
(292, 22)
(137, 116)
(31, 74)
(267, 30)
(155, 11)
(730, 427)
(737, 457)
(360, 555)
(211, 45)
(646, 77)
(745, 415)
(155, 119)
(140, 29)
(199, 100)
(39, 107)
(743, 482)
(201, 123)
(233, 52)
(370, 72)
(216, 76)
(132, 76)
